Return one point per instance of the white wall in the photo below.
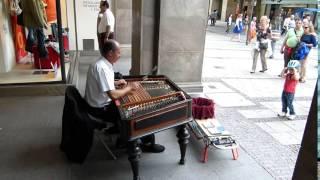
(7, 52)
(71, 25)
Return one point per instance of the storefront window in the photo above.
(29, 42)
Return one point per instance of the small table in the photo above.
(213, 134)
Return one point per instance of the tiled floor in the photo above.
(261, 87)
(285, 132)
(215, 87)
(300, 107)
(258, 113)
(230, 99)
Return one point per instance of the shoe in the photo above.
(263, 70)
(252, 72)
(292, 117)
(302, 80)
(279, 75)
(154, 148)
(271, 57)
(282, 114)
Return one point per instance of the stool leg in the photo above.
(107, 148)
(205, 154)
(235, 153)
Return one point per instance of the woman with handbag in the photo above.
(310, 40)
(263, 34)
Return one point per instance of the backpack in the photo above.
(300, 51)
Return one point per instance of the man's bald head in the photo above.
(109, 45)
(111, 50)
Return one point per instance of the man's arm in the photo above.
(107, 32)
(283, 44)
(118, 93)
(296, 75)
(120, 83)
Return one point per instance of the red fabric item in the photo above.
(51, 10)
(289, 50)
(290, 84)
(65, 42)
(202, 108)
(53, 56)
(19, 39)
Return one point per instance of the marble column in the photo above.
(224, 9)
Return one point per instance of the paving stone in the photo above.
(257, 113)
(215, 87)
(230, 99)
(277, 107)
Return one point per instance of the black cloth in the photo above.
(77, 128)
(263, 35)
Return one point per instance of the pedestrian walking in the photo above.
(291, 76)
(253, 29)
(213, 17)
(285, 25)
(105, 23)
(229, 23)
(238, 28)
(263, 34)
(290, 42)
(292, 22)
(275, 36)
(246, 24)
(310, 41)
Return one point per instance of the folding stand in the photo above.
(213, 135)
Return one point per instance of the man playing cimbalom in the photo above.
(105, 23)
(102, 90)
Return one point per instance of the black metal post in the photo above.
(61, 48)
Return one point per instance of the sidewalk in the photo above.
(247, 104)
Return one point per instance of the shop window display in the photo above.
(33, 32)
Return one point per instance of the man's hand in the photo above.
(281, 50)
(121, 83)
(134, 86)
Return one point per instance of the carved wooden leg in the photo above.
(134, 153)
(183, 136)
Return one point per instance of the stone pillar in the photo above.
(182, 39)
(224, 10)
(123, 14)
(169, 34)
(144, 36)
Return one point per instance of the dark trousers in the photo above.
(111, 114)
(101, 38)
(287, 102)
(33, 35)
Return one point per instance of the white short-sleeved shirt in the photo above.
(107, 18)
(100, 80)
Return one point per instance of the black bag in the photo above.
(263, 45)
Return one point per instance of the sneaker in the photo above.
(155, 148)
(271, 57)
(291, 116)
(263, 70)
(282, 114)
(302, 80)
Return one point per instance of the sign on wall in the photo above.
(86, 14)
